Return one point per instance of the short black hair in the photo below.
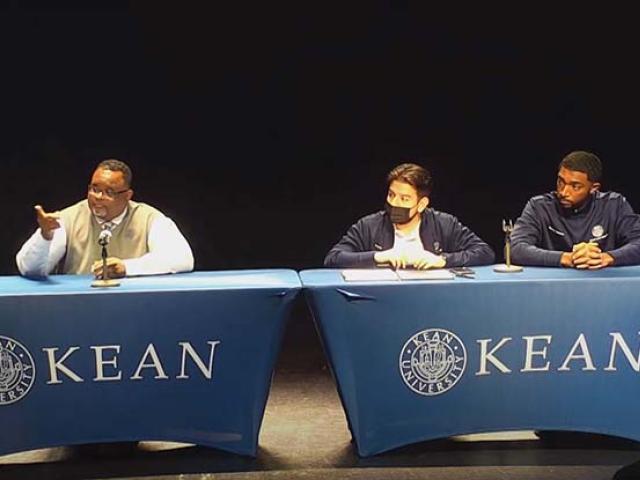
(118, 166)
(415, 175)
(586, 162)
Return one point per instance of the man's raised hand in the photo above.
(47, 222)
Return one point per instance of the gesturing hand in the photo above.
(47, 222)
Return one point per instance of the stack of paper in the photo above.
(439, 274)
(386, 274)
(369, 275)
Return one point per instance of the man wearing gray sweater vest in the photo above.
(143, 240)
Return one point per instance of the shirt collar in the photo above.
(410, 235)
(114, 221)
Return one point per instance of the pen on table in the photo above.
(465, 275)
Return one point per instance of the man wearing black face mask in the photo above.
(408, 234)
(577, 226)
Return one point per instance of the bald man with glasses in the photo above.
(143, 240)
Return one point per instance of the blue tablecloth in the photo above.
(184, 357)
(542, 349)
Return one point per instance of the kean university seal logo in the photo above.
(17, 371)
(432, 361)
(597, 231)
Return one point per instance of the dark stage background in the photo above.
(265, 129)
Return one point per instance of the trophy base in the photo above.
(105, 283)
(507, 268)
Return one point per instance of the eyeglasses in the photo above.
(108, 193)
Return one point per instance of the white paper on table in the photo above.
(369, 275)
(438, 274)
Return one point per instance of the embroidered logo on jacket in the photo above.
(597, 231)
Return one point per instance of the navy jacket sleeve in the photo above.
(526, 236)
(627, 235)
(463, 247)
(353, 250)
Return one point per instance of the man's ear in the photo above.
(423, 204)
(595, 187)
(129, 194)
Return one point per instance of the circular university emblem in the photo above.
(432, 361)
(17, 371)
(597, 231)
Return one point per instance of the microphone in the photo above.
(105, 236)
(103, 241)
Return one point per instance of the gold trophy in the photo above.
(105, 281)
(507, 228)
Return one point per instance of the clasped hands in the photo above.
(419, 260)
(586, 255)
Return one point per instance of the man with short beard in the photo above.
(143, 240)
(577, 226)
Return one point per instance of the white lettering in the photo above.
(101, 362)
(188, 349)
(409, 375)
(155, 363)
(585, 355)
(530, 353)
(619, 340)
(489, 356)
(54, 366)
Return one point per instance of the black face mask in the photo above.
(399, 215)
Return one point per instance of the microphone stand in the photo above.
(105, 281)
(507, 228)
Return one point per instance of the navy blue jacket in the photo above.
(440, 233)
(546, 229)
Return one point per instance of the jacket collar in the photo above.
(570, 212)
(386, 235)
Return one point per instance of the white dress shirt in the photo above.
(169, 251)
(410, 244)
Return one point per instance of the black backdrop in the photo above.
(264, 130)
